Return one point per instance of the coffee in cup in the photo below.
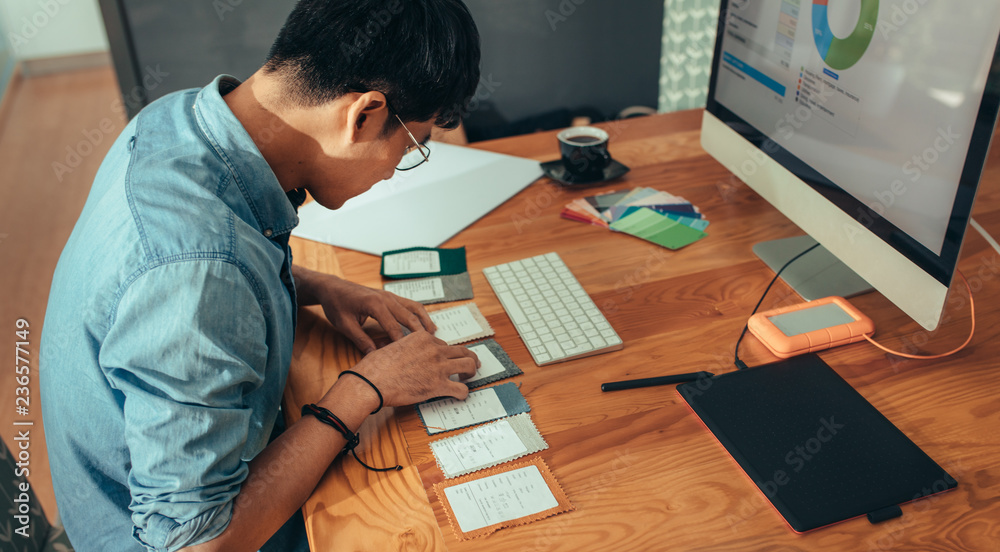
(584, 151)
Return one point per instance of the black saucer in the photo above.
(557, 171)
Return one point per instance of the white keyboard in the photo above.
(555, 317)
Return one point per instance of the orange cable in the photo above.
(972, 309)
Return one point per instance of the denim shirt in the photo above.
(169, 328)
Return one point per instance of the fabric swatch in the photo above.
(482, 405)
(421, 262)
(435, 289)
(460, 324)
(495, 364)
(487, 445)
(477, 505)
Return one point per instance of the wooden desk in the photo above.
(641, 470)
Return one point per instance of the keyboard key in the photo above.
(513, 309)
(554, 349)
(575, 350)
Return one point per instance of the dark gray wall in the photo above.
(538, 55)
(195, 40)
(548, 54)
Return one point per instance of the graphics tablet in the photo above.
(813, 445)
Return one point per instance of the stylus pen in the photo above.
(650, 382)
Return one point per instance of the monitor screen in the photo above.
(884, 108)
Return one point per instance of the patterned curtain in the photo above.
(688, 42)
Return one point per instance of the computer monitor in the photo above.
(867, 124)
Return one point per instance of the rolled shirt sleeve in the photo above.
(187, 350)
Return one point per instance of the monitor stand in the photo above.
(816, 275)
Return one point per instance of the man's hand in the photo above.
(348, 305)
(417, 368)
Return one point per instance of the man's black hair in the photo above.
(422, 54)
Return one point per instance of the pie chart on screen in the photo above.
(843, 53)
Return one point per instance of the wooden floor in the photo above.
(51, 143)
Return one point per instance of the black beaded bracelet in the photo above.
(366, 380)
(331, 419)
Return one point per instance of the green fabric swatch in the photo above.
(651, 226)
(423, 262)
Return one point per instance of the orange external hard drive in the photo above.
(810, 327)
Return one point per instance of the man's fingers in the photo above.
(457, 351)
(458, 390)
(417, 314)
(463, 367)
(358, 336)
(393, 318)
(389, 322)
(425, 318)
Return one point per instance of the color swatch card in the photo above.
(495, 364)
(636, 195)
(657, 228)
(460, 324)
(603, 201)
(653, 215)
(483, 405)
(479, 506)
(582, 211)
(436, 289)
(421, 262)
(488, 445)
(618, 211)
(697, 223)
(650, 196)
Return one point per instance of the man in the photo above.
(169, 330)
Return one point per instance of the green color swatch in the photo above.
(656, 228)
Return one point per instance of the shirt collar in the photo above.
(273, 209)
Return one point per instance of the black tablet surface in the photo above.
(813, 445)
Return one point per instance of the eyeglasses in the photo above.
(415, 155)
